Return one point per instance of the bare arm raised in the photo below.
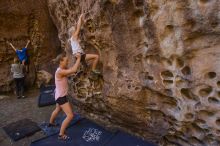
(27, 43)
(78, 27)
(12, 46)
(73, 69)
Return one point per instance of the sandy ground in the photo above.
(13, 109)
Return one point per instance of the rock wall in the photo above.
(22, 20)
(159, 61)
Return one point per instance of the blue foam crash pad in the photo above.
(46, 96)
(48, 88)
(21, 129)
(84, 133)
(53, 130)
(124, 139)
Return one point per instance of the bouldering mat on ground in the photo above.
(20, 129)
(84, 133)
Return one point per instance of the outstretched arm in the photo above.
(12, 46)
(78, 27)
(27, 43)
(71, 70)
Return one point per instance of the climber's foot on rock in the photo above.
(96, 72)
(73, 77)
(94, 75)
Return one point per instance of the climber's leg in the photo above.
(94, 58)
(24, 62)
(54, 114)
(69, 116)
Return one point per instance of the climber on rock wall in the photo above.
(76, 48)
(61, 92)
(22, 55)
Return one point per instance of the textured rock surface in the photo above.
(43, 77)
(160, 64)
(21, 20)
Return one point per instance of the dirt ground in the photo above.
(13, 109)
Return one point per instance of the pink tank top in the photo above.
(61, 85)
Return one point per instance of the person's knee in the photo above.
(70, 116)
(57, 110)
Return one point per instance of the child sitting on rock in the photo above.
(76, 48)
(22, 54)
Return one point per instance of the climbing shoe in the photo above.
(96, 72)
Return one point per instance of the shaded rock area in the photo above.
(43, 78)
(160, 66)
(21, 20)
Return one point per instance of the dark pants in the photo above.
(19, 82)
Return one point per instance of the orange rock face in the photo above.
(20, 21)
(160, 66)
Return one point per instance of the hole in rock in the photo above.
(217, 122)
(138, 13)
(195, 141)
(217, 132)
(205, 91)
(218, 93)
(152, 104)
(211, 75)
(214, 23)
(129, 86)
(204, 1)
(213, 100)
(168, 30)
(189, 116)
(166, 62)
(119, 75)
(138, 3)
(186, 70)
(218, 84)
(168, 91)
(152, 59)
(187, 93)
(137, 88)
(200, 121)
(198, 105)
(167, 82)
(166, 74)
(205, 114)
(179, 81)
(179, 63)
(150, 78)
(194, 128)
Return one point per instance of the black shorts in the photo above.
(62, 100)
